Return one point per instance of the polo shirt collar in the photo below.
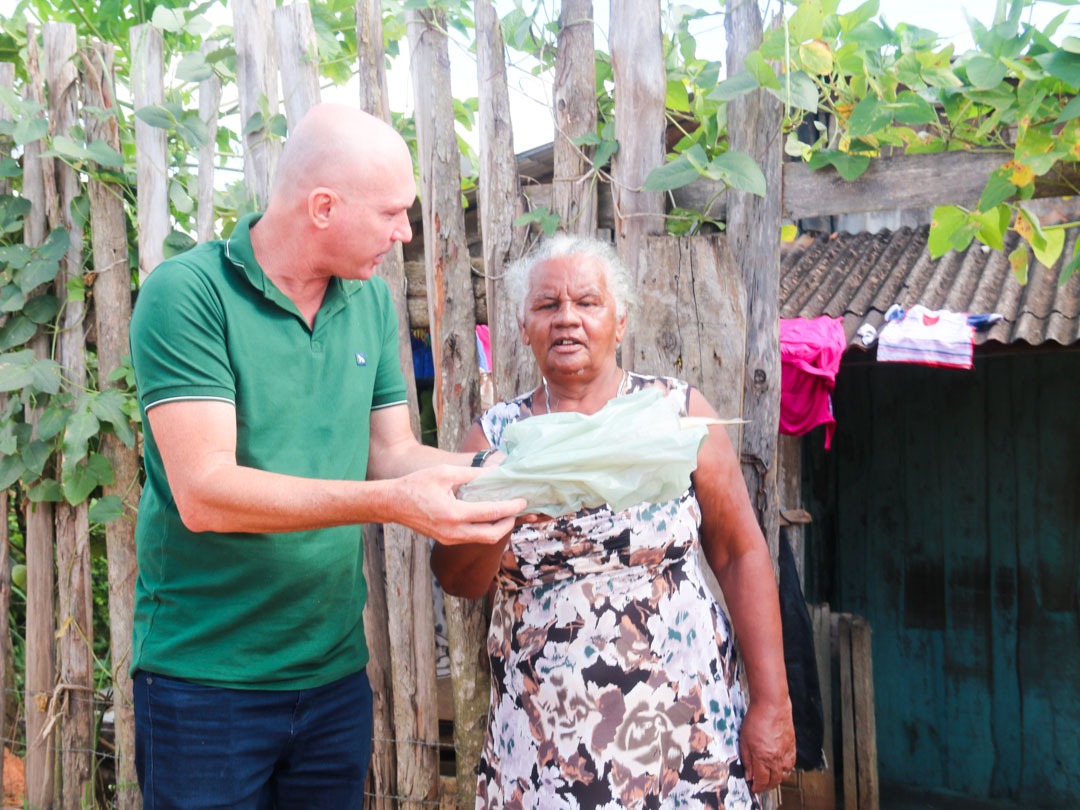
(240, 254)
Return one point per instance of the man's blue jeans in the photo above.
(205, 747)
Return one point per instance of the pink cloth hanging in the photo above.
(810, 352)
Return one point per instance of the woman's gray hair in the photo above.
(519, 274)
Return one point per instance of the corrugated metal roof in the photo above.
(857, 277)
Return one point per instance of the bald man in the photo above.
(276, 423)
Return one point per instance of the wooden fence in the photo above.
(710, 317)
(273, 48)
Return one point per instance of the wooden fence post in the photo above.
(7, 650)
(209, 101)
(500, 202)
(573, 192)
(151, 155)
(637, 61)
(298, 56)
(75, 629)
(452, 310)
(753, 231)
(40, 526)
(112, 310)
(379, 566)
(256, 78)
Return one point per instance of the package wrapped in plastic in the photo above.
(636, 448)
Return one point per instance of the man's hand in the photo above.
(430, 506)
(767, 744)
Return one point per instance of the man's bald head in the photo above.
(336, 145)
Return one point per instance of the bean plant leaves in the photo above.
(106, 509)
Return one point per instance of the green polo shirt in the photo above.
(259, 611)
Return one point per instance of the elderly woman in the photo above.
(613, 667)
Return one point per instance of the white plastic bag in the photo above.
(636, 448)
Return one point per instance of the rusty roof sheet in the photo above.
(857, 277)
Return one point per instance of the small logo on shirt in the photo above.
(361, 359)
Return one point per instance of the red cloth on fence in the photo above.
(810, 352)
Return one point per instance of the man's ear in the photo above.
(321, 203)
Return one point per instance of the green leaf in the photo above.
(604, 152)
(940, 77)
(106, 509)
(41, 308)
(912, 109)
(1072, 267)
(1070, 111)
(16, 331)
(1018, 260)
(869, 116)
(676, 174)
(156, 115)
(29, 130)
(177, 242)
(797, 90)
(48, 376)
(999, 188)
(108, 406)
(46, 491)
(15, 371)
(11, 299)
(104, 155)
(677, 97)
(35, 456)
(55, 246)
(168, 19)
(1062, 65)
(985, 72)
(1054, 243)
(193, 67)
(66, 147)
(951, 228)
(11, 469)
(180, 199)
(81, 427)
(807, 22)
(992, 226)
(52, 421)
(740, 84)
(850, 167)
(38, 272)
(761, 70)
(738, 170)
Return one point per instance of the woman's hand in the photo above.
(767, 744)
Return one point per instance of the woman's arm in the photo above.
(737, 553)
(468, 570)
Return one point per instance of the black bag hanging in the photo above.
(801, 665)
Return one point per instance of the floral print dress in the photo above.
(613, 667)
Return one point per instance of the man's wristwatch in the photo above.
(482, 456)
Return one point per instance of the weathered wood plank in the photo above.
(862, 680)
(151, 154)
(257, 81)
(574, 185)
(9, 702)
(451, 306)
(298, 56)
(40, 526)
(500, 204)
(753, 231)
(908, 181)
(112, 317)
(75, 599)
(637, 62)
(209, 104)
(842, 631)
(385, 572)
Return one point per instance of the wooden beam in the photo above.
(910, 181)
